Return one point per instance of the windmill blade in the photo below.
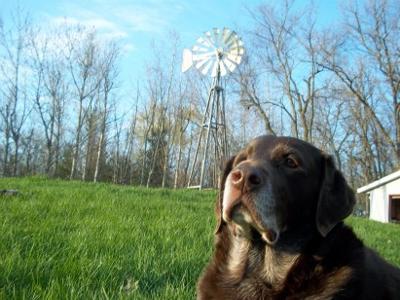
(239, 50)
(205, 42)
(203, 56)
(235, 57)
(201, 63)
(227, 35)
(206, 68)
(208, 40)
(198, 48)
(216, 37)
(215, 68)
(229, 64)
(222, 68)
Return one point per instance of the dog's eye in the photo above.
(290, 162)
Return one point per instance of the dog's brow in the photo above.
(240, 157)
(250, 149)
(281, 149)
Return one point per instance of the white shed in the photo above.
(384, 198)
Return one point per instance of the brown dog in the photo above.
(280, 233)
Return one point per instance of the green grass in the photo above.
(74, 240)
(383, 238)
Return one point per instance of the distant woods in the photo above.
(64, 114)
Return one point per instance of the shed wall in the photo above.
(379, 200)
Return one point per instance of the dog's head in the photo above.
(278, 185)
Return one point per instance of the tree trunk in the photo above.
(6, 152)
(16, 154)
(99, 150)
(153, 163)
(77, 142)
(178, 162)
(166, 161)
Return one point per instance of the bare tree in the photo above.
(249, 83)
(81, 55)
(377, 30)
(50, 91)
(131, 138)
(285, 41)
(147, 119)
(365, 58)
(14, 112)
(116, 156)
(109, 74)
(182, 121)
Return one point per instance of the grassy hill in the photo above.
(61, 239)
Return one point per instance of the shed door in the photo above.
(394, 208)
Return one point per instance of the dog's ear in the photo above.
(218, 205)
(336, 198)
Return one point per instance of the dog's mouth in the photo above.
(251, 212)
(250, 227)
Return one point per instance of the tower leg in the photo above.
(210, 94)
(210, 119)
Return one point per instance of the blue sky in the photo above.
(136, 23)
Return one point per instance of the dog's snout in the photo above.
(246, 177)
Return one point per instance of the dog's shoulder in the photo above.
(326, 267)
(378, 278)
(371, 276)
(338, 267)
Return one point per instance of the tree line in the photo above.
(62, 112)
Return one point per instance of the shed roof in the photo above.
(379, 182)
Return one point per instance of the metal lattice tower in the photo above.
(217, 53)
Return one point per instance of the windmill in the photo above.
(216, 54)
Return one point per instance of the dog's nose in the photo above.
(247, 177)
(237, 178)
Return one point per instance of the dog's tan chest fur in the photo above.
(277, 266)
(272, 267)
(247, 266)
(238, 256)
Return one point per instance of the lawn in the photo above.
(61, 239)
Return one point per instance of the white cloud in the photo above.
(119, 21)
(131, 22)
(142, 18)
(126, 48)
(106, 28)
(151, 16)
